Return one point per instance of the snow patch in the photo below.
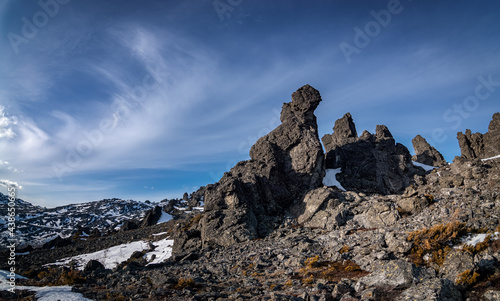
(56, 293)
(113, 256)
(110, 258)
(165, 217)
(424, 166)
(162, 251)
(330, 178)
(161, 233)
(45, 293)
(473, 240)
(496, 157)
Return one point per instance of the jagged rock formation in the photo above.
(426, 154)
(318, 243)
(370, 163)
(284, 165)
(479, 145)
(152, 216)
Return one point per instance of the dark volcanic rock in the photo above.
(284, 165)
(129, 225)
(152, 217)
(344, 131)
(426, 154)
(95, 233)
(433, 289)
(479, 145)
(370, 163)
(394, 274)
(93, 265)
(57, 242)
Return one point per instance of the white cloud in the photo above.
(33, 140)
(68, 129)
(6, 123)
(8, 183)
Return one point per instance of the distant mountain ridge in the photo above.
(37, 225)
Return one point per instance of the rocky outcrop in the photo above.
(426, 154)
(93, 265)
(58, 241)
(344, 132)
(152, 216)
(479, 145)
(455, 264)
(396, 274)
(349, 246)
(285, 164)
(371, 163)
(129, 225)
(314, 242)
(322, 208)
(433, 289)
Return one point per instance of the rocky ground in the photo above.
(367, 258)
(272, 231)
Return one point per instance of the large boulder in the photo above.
(371, 163)
(314, 201)
(380, 214)
(322, 208)
(394, 274)
(456, 263)
(152, 216)
(432, 289)
(285, 164)
(426, 154)
(93, 265)
(479, 145)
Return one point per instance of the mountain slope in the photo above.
(36, 225)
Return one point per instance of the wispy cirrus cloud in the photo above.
(180, 91)
(6, 124)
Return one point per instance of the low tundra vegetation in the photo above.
(436, 242)
(314, 269)
(60, 276)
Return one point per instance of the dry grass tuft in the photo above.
(61, 276)
(331, 271)
(312, 262)
(430, 198)
(344, 249)
(115, 296)
(183, 283)
(468, 277)
(194, 221)
(435, 241)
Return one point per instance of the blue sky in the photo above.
(149, 99)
